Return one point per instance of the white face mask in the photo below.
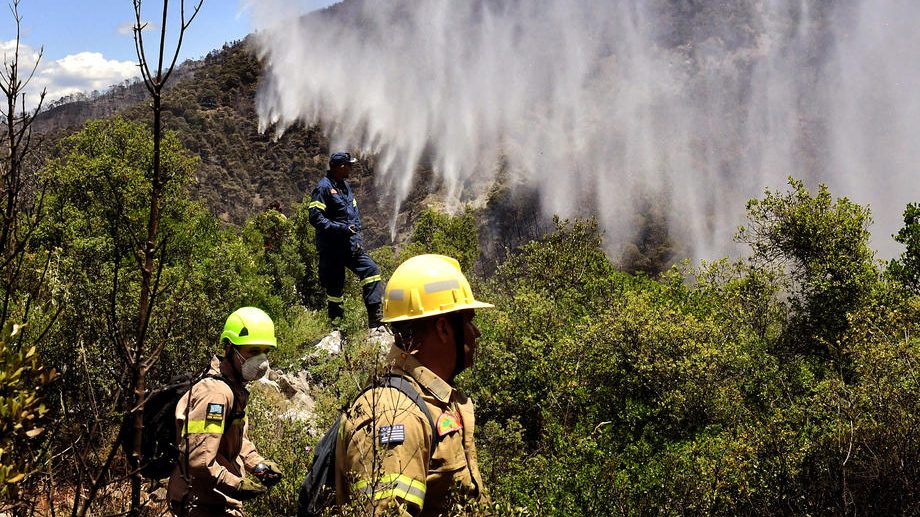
(254, 367)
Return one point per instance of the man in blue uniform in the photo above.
(334, 214)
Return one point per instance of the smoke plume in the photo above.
(602, 105)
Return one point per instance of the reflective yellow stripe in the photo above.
(354, 202)
(370, 280)
(335, 299)
(317, 204)
(393, 485)
(205, 427)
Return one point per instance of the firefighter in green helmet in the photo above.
(218, 466)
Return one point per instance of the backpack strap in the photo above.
(233, 406)
(402, 384)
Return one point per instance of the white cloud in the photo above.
(81, 72)
(127, 28)
(85, 71)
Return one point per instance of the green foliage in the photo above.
(454, 236)
(825, 242)
(23, 380)
(599, 392)
(906, 268)
(95, 223)
(283, 438)
(269, 236)
(311, 293)
(623, 382)
(286, 437)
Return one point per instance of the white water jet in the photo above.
(600, 104)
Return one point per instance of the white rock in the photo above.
(382, 337)
(331, 344)
(266, 382)
(291, 385)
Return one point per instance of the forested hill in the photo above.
(211, 107)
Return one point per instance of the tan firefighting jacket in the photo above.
(213, 448)
(382, 452)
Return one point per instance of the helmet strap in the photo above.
(457, 320)
(238, 372)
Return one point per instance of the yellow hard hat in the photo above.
(426, 285)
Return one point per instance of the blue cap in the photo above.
(341, 159)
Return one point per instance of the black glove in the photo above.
(249, 489)
(268, 472)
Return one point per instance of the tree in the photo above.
(825, 244)
(139, 358)
(24, 316)
(906, 268)
(95, 216)
(454, 236)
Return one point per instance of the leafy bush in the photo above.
(454, 236)
(23, 380)
(825, 242)
(707, 390)
(906, 268)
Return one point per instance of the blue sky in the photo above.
(88, 44)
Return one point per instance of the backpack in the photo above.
(159, 443)
(317, 491)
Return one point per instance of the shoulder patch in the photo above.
(448, 423)
(215, 411)
(392, 434)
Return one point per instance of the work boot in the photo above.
(334, 310)
(374, 315)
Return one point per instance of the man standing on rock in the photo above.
(218, 467)
(334, 214)
(411, 450)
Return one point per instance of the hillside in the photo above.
(242, 172)
(211, 108)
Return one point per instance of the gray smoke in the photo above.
(604, 104)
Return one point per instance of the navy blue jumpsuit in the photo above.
(333, 209)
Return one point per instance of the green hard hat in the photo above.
(249, 326)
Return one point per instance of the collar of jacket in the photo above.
(217, 368)
(337, 183)
(404, 362)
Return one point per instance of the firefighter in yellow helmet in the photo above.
(218, 467)
(388, 456)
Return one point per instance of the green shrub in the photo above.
(906, 268)
(454, 236)
(23, 380)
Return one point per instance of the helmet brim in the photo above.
(472, 305)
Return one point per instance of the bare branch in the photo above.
(159, 79)
(183, 26)
(98, 481)
(153, 295)
(139, 47)
(41, 52)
